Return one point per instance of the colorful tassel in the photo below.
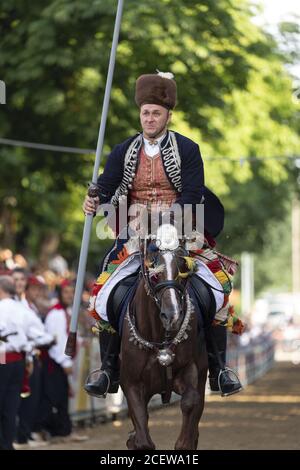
(238, 327)
(190, 262)
(103, 278)
(122, 255)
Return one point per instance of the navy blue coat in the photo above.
(192, 180)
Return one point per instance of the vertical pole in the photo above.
(296, 245)
(71, 343)
(247, 283)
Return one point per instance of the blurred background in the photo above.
(237, 67)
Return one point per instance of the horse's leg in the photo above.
(201, 389)
(137, 405)
(192, 404)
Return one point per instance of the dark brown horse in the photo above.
(161, 348)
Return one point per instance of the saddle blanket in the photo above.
(132, 263)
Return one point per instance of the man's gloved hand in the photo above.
(90, 205)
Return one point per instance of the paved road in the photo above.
(264, 416)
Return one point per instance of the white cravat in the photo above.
(152, 148)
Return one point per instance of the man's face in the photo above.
(154, 120)
(67, 295)
(34, 292)
(20, 282)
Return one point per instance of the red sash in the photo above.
(13, 357)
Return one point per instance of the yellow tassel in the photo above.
(222, 278)
(103, 278)
(190, 262)
(95, 330)
(183, 275)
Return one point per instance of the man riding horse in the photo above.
(156, 169)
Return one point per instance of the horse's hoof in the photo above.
(133, 445)
(130, 445)
(130, 440)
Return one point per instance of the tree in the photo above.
(54, 61)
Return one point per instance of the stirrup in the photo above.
(89, 382)
(226, 370)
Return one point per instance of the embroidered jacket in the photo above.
(183, 166)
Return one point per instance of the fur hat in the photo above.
(157, 88)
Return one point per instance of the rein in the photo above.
(164, 350)
(153, 290)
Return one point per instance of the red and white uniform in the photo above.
(57, 324)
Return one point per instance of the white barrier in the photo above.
(288, 350)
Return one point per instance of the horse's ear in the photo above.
(182, 244)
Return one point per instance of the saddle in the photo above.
(203, 300)
(119, 298)
(123, 292)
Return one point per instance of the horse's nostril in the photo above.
(163, 316)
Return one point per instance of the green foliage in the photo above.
(234, 98)
(273, 267)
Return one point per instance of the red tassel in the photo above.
(25, 391)
(238, 327)
(214, 266)
(230, 264)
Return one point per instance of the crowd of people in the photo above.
(35, 309)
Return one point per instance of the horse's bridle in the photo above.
(166, 350)
(168, 284)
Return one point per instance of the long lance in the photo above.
(71, 343)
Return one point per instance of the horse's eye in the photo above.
(152, 248)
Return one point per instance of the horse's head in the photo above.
(167, 267)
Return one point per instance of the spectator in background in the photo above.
(20, 280)
(37, 295)
(32, 385)
(9, 261)
(22, 333)
(59, 265)
(20, 261)
(60, 367)
(13, 366)
(6, 259)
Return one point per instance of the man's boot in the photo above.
(109, 377)
(221, 378)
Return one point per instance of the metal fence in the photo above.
(254, 360)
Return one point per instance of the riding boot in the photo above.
(221, 378)
(109, 377)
